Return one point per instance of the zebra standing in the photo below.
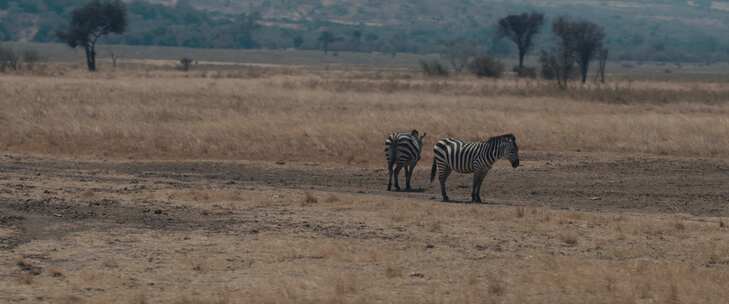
(477, 158)
(402, 150)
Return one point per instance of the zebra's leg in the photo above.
(390, 172)
(480, 183)
(477, 182)
(442, 177)
(397, 173)
(409, 176)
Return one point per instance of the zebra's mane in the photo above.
(495, 139)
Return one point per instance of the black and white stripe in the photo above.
(467, 157)
(402, 150)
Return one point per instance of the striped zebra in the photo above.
(402, 149)
(477, 158)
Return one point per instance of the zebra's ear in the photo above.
(421, 137)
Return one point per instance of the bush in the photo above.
(525, 72)
(486, 66)
(185, 64)
(548, 71)
(558, 64)
(30, 58)
(433, 68)
(8, 59)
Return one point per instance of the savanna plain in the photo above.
(235, 183)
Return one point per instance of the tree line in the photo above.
(631, 36)
(578, 43)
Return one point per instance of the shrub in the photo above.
(309, 199)
(30, 58)
(549, 71)
(525, 72)
(486, 66)
(8, 59)
(558, 64)
(433, 68)
(185, 64)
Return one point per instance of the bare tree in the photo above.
(588, 41)
(521, 30)
(114, 58)
(185, 64)
(602, 57)
(326, 38)
(582, 38)
(459, 53)
(89, 23)
(559, 62)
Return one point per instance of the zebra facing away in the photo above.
(402, 149)
(471, 157)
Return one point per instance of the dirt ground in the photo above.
(223, 231)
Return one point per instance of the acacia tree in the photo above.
(602, 56)
(588, 39)
(325, 38)
(580, 40)
(89, 23)
(521, 30)
(559, 62)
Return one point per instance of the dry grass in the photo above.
(277, 245)
(309, 199)
(517, 260)
(386, 250)
(304, 117)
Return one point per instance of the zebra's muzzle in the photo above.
(515, 164)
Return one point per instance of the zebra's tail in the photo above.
(392, 153)
(433, 170)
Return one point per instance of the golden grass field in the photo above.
(287, 114)
(231, 185)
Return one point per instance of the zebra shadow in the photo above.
(466, 202)
(414, 190)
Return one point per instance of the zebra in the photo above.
(471, 157)
(402, 149)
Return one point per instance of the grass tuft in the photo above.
(309, 199)
(520, 212)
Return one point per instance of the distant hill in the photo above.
(663, 30)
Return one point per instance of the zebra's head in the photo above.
(510, 149)
(419, 137)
